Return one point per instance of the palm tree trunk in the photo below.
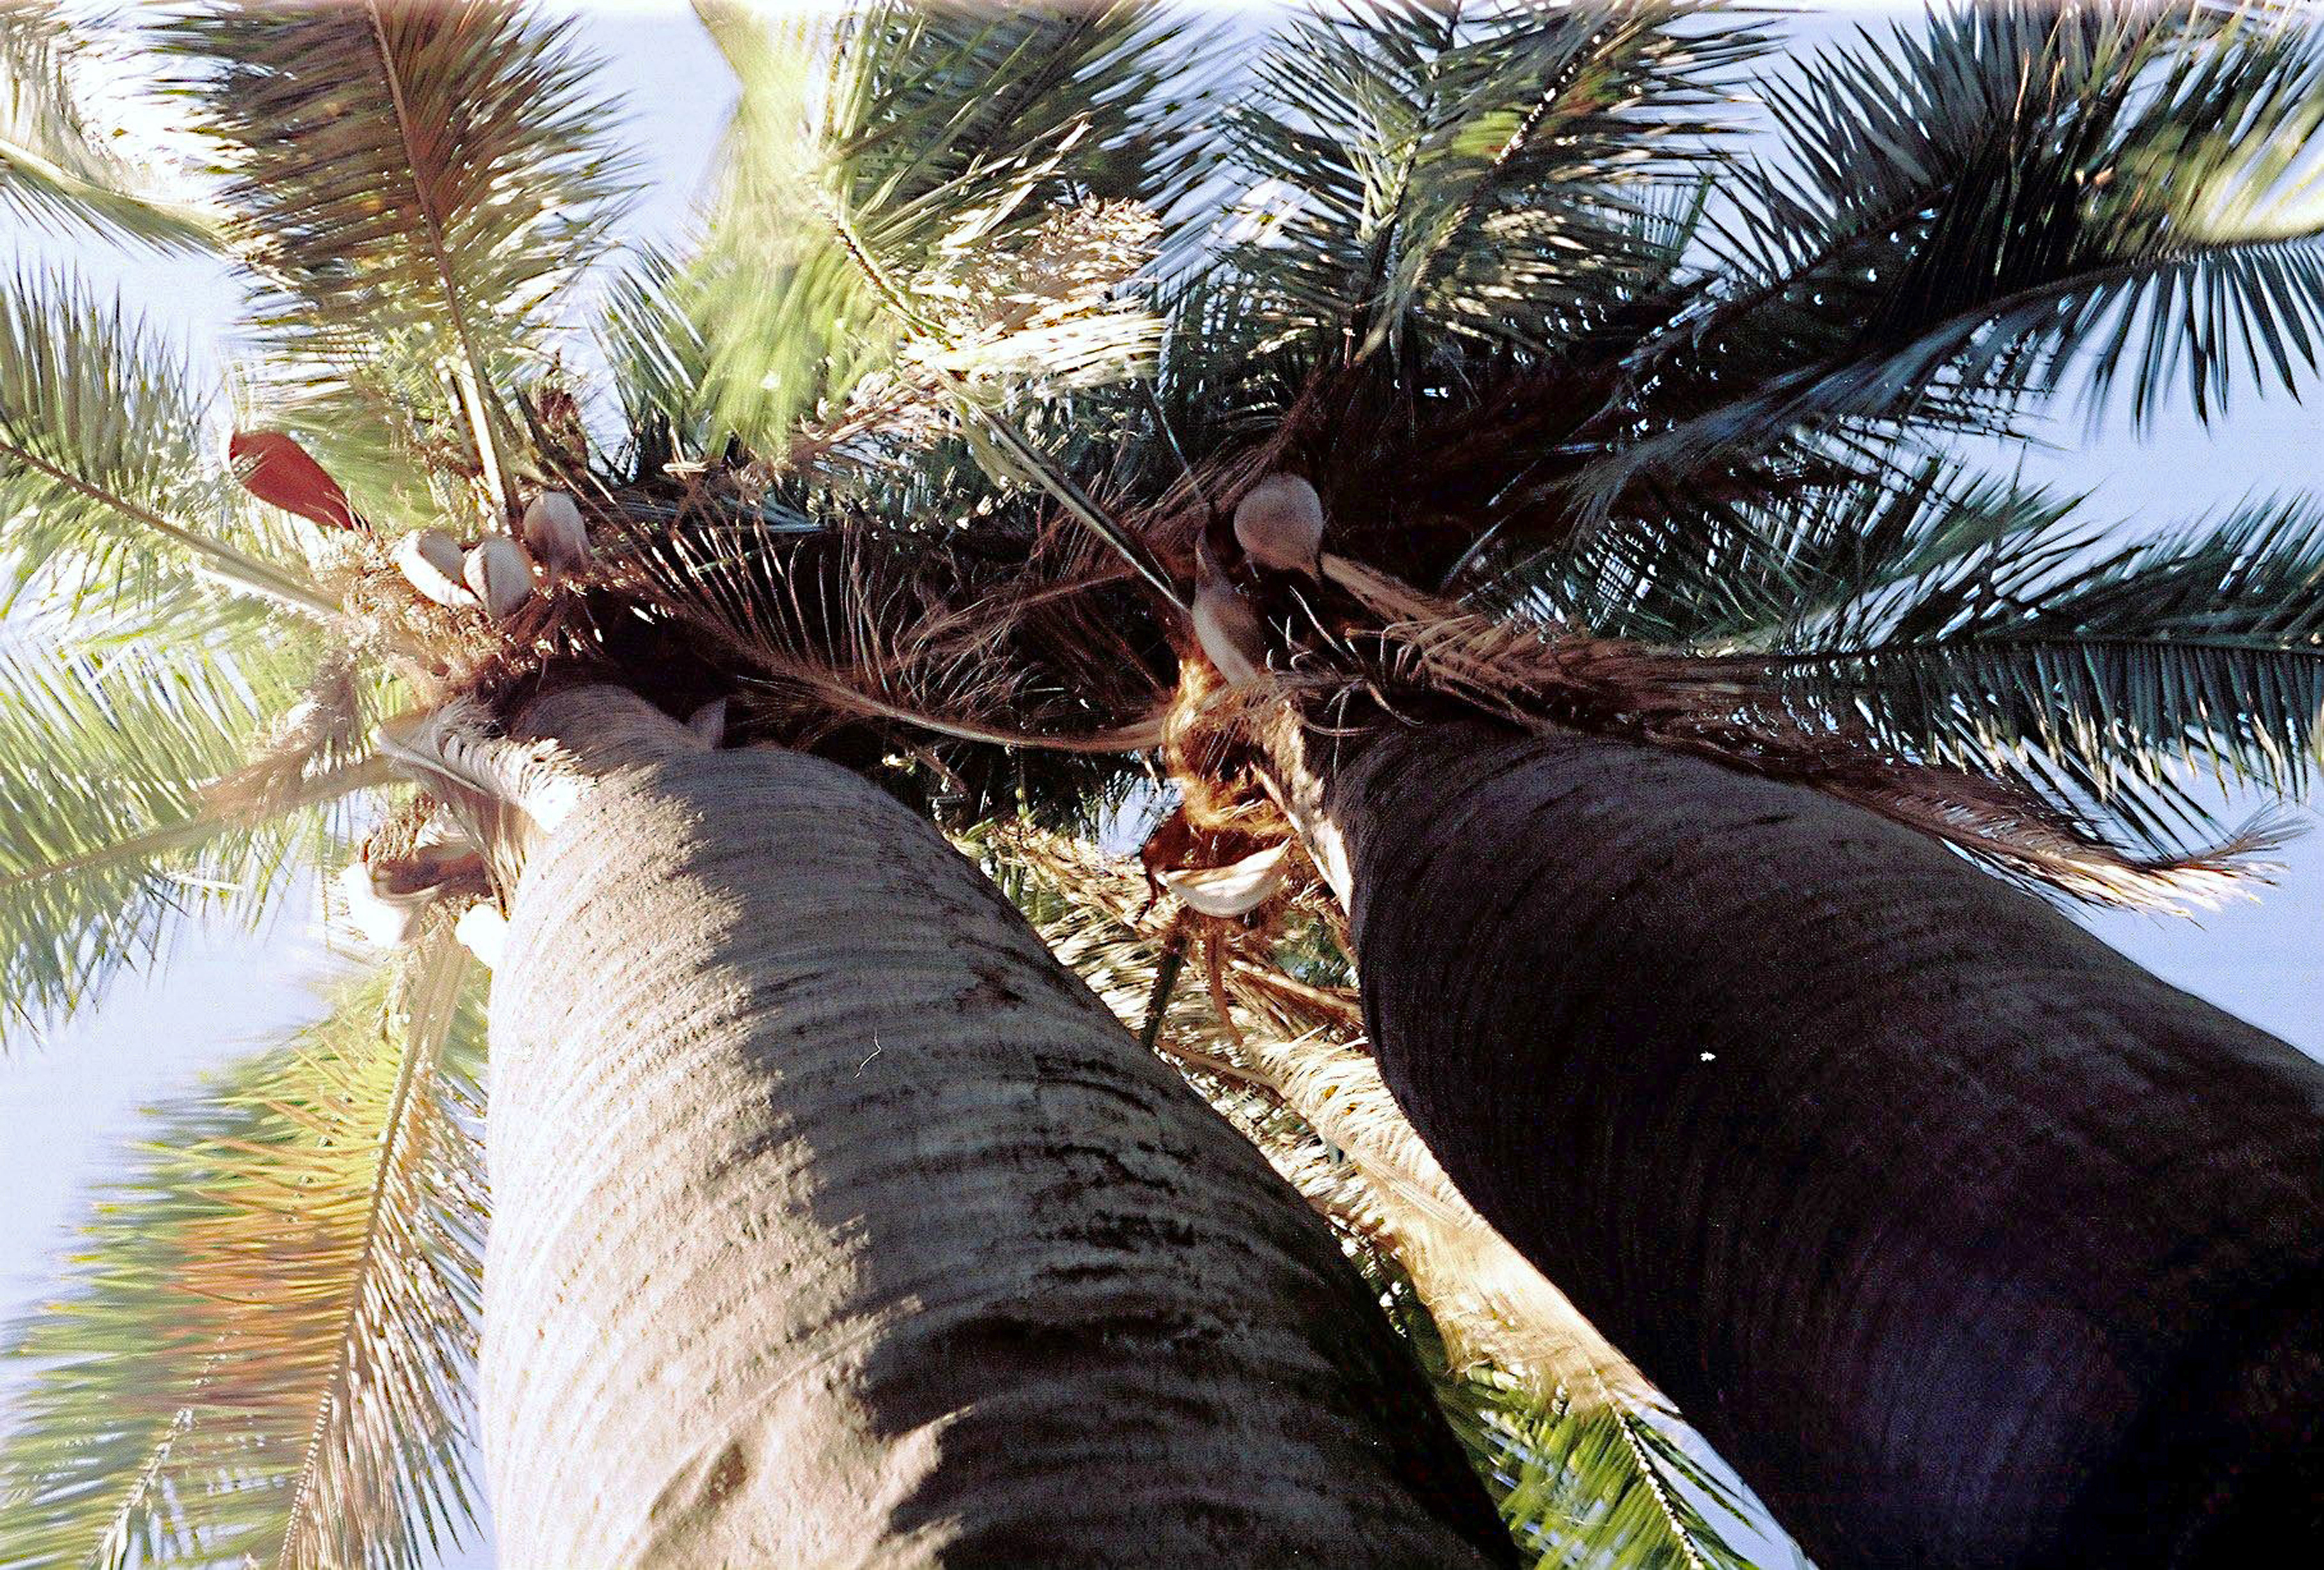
(836, 1225)
(1970, 1243)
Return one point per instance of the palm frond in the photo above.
(650, 330)
(1739, 578)
(1416, 172)
(846, 620)
(413, 185)
(942, 197)
(100, 460)
(1958, 218)
(1994, 627)
(269, 1361)
(55, 169)
(1737, 711)
(126, 804)
(2104, 668)
(1586, 1488)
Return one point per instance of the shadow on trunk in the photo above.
(1970, 1243)
(836, 1225)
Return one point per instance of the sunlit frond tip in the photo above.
(274, 1363)
(55, 168)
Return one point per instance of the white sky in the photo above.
(68, 1112)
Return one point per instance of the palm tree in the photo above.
(818, 1180)
(996, 1210)
(1631, 460)
(1861, 1151)
(1601, 449)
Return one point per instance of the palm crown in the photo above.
(917, 457)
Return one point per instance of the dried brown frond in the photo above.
(400, 833)
(1210, 746)
(392, 623)
(1733, 712)
(856, 623)
(321, 731)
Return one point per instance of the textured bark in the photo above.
(1967, 1241)
(836, 1225)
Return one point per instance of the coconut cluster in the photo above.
(495, 573)
(388, 893)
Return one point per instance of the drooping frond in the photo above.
(267, 1359)
(1995, 626)
(1738, 712)
(55, 167)
(128, 802)
(923, 625)
(413, 185)
(101, 461)
(940, 201)
(1586, 1487)
(2101, 666)
(1418, 172)
(1957, 220)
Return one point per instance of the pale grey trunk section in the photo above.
(836, 1225)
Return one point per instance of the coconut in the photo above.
(388, 919)
(430, 562)
(1279, 523)
(484, 931)
(500, 575)
(1234, 889)
(555, 534)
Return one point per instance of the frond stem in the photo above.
(1157, 1002)
(1035, 463)
(220, 561)
(1647, 1470)
(1809, 660)
(437, 970)
(362, 774)
(470, 373)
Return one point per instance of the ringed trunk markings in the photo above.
(1003, 1291)
(1855, 1148)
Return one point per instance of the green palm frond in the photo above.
(1419, 172)
(2104, 668)
(650, 330)
(1743, 578)
(413, 185)
(125, 807)
(1583, 1488)
(1980, 622)
(939, 199)
(101, 461)
(265, 1359)
(1957, 220)
(55, 169)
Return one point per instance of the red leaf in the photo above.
(277, 471)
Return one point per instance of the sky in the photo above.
(69, 1111)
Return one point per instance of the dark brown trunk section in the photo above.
(1970, 1243)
